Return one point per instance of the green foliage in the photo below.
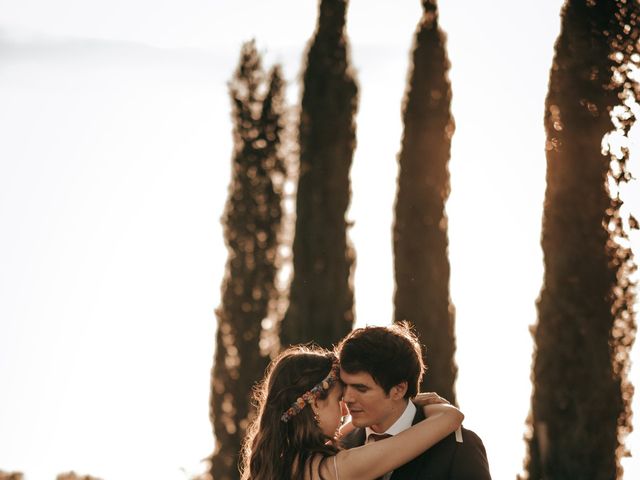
(321, 294)
(251, 221)
(420, 239)
(581, 400)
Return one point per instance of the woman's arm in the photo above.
(420, 400)
(375, 459)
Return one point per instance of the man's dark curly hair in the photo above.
(391, 355)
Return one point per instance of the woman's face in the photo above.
(331, 410)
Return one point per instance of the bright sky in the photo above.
(113, 175)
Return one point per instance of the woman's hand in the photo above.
(428, 398)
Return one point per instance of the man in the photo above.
(381, 368)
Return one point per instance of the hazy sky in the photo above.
(114, 166)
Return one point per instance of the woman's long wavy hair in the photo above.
(277, 450)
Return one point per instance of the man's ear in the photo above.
(398, 391)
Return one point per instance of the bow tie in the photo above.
(374, 437)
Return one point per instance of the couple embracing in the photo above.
(395, 433)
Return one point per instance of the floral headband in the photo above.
(310, 395)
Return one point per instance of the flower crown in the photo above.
(310, 395)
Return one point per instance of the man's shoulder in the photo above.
(464, 435)
(460, 455)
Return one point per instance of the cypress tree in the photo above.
(321, 294)
(581, 399)
(251, 225)
(420, 242)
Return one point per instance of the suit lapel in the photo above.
(409, 471)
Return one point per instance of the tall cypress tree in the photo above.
(581, 399)
(321, 295)
(252, 223)
(420, 241)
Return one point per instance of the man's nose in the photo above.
(347, 395)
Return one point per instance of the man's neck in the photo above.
(395, 413)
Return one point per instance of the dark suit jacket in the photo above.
(446, 460)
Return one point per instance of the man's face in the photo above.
(368, 404)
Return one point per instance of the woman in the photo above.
(299, 413)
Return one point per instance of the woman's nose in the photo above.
(343, 409)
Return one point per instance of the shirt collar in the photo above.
(404, 422)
